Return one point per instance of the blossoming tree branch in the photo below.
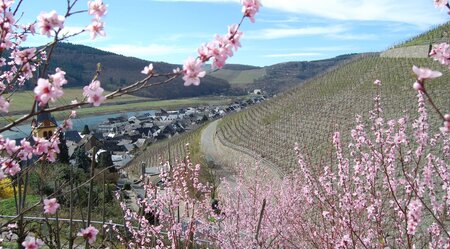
(21, 66)
(387, 187)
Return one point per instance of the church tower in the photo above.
(44, 125)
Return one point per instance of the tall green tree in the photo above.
(63, 156)
(82, 161)
(86, 130)
(104, 160)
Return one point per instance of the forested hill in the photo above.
(284, 76)
(117, 71)
(279, 77)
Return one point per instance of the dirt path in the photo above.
(228, 159)
(214, 155)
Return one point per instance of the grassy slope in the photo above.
(238, 77)
(22, 101)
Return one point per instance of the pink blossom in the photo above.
(73, 114)
(422, 75)
(204, 53)
(53, 149)
(4, 105)
(6, 42)
(12, 226)
(89, 233)
(68, 124)
(27, 72)
(446, 127)
(23, 56)
(32, 243)
(440, 3)
(40, 146)
(148, 70)
(447, 117)
(10, 167)
(45, 91)
(234, 36)
(220, 49)
(48, 21)
(5, 4)
(418, 86)
(26, 150)
(50, 206)
(425, 73)
(2, 174)
(58, 79)
(414, 215)
(7, 22)
(10, 146)
(377, 82)
(441, 53)
(96, 28)
(250, 8)
(193, 71)
(97, 8)
(30, 27)
(94, 93)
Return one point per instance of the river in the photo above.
(78, 123)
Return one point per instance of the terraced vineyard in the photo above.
(311, 113)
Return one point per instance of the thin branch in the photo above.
(433, 105)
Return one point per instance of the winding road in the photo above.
(227, 160)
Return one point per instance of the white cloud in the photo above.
(292, 19)
(146, 51)
(292, 55)
(418, 12)
(331, 48)
(72, 29)
(280, 33)
(354, 37)
(39, 40)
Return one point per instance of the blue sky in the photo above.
(285, 30)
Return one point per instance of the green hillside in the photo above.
(118, 71)
(279, 77)
(311, 113)
(240, 78)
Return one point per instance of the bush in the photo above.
(6, 189)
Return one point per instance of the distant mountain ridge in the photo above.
(80, 63)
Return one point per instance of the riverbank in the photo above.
(132, 105)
